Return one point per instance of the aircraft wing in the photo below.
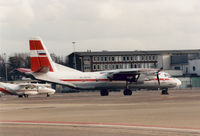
(132, 75)
(28, 71)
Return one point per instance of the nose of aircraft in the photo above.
(178, 82)
(52, 90)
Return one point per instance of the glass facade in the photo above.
(98, 63)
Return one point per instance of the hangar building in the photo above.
(185, 62)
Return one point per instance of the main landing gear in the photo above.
(20, 96)
(127, 91)
(24, 95)
(164, 91)
(104, 92)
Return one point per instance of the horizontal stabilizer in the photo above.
(24, 70)
(42, 70)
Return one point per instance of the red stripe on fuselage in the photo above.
(85, 80)
(162, 79)
(5, 91)
(96, 80)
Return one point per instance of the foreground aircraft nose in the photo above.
(51, 91)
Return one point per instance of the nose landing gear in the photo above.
(164, 91)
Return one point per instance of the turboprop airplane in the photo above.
(43, 68)
(25, 89)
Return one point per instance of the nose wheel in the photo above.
(165, 91)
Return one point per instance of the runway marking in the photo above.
(95, 124)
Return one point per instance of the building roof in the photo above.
(137, 52)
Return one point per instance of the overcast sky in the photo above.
(100, 24)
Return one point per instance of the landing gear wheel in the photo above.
(127, 92)
(26, 95)
(165, 91)
(20, 96)
(48, 95)
(104, 92)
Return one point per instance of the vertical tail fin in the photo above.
(39, 56)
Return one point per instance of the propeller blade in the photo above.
(158, 75)
(160, 69)
(158, 78)
(138, 76)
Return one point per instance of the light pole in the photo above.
(74, 54)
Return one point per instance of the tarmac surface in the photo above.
(145, 113)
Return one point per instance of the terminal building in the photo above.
(183, 62)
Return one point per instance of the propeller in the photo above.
(138, 76)
(157, 75)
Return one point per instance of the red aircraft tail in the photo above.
(40, 58)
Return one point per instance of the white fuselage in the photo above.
(99, 80)
(27, 89)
